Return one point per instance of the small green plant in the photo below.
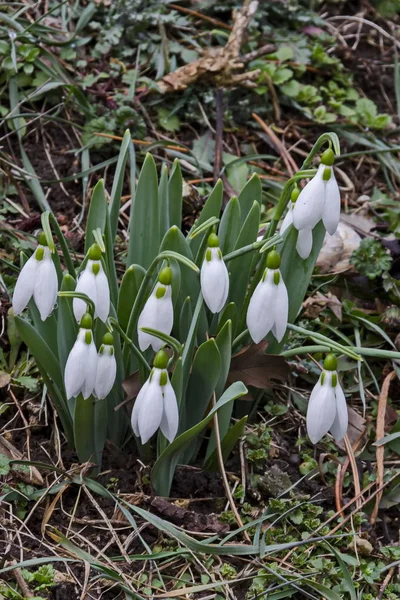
(371, 258)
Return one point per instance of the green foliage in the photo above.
(371, 258)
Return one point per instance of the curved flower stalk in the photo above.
(304, 236)
(81, 367)
(327, 409)
(320, 199)
(158, 312)
(94, 283)
(214, 277)
(269, 304)
(106, 368)
(38, 278)
(156, 405)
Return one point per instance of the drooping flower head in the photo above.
(106, 368)
(156, 405)
(269, 304)
(81, 367)
(38, 278)
(214, 277)
(304, 236)
(158, 312)
(94, 283)
(327, 409)
(320, 199)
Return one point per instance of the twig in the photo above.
(356, 477)
(194, 13)
(223, 473)
(21, 582)
(267, 49)
(380, 433)
(290, 164)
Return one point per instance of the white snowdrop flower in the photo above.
(214, 277)
(320, 199)
(106, 368)
(327, 409)
(80, 370)
(94, 283)
(304, 236)
(156, 405)
(158, 312)
(269, 304)
(38, 278)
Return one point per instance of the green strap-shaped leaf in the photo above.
(228, 442)
(175, 188)
(240, 268)
(163, 470)
(185, 318)
(228, 314)
(67, 327)
(90, 426)
(163, 200)
(110, 262)
(97, 213)
(211, 208)
(130, 285)
(229, 226)
(118, 182)
(144, 226)
(251, 192)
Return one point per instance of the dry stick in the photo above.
(21, 582)
(290, 164)
(118, 138)
(380, 433)
(356, 477)
(385, 583)
(194, 13)
(223, 473)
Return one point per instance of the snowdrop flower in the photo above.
(106, 368)
(158, 312)
(38, 278)
(214, 278)
(327, 409)
(81, 367)
(156, 405)
(320, 199)
(94, 283)
(269, 304)
(304, 236)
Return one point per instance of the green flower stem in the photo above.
(98, 238)
(329, 137)
(334, 346)
(240, 339)
(50, 218)
(304, 350)
(80, 296)
(241, 251)
(372, 352)
(134, 316)
(115, 325)
(168, 339)
(198, 230)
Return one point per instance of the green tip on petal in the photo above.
(161, 360)
(334, 380)
(86, 321)
(328, 157)
(164, 378)
(108, 339)
(165, 276)
(212, 241)
(273, 260)
(95, 268)
(39, 254)
(277, 277)
(42, 239)
(160, 292)
(330, 362)
(327, 174)
(295, 194)
(88, 337)
(95, 252)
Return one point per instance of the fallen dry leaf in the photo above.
(253, 367)
(28, 474)
(316, 304)
(337, 249)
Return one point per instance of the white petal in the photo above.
(214, 279)
(331, 210)
(148, 318)
(74, 374)
(170, 418)
(102, 295)
(281, 311)
(341, 422)
(105, 374)
(25, 285)
(90, 368)
(140, 400)
(321, 410)
(288, 220)
(46, 286)
(165, 317)
(260, 318)
(304, 243)
(86, 285)
(310, 203)
(150, 413)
